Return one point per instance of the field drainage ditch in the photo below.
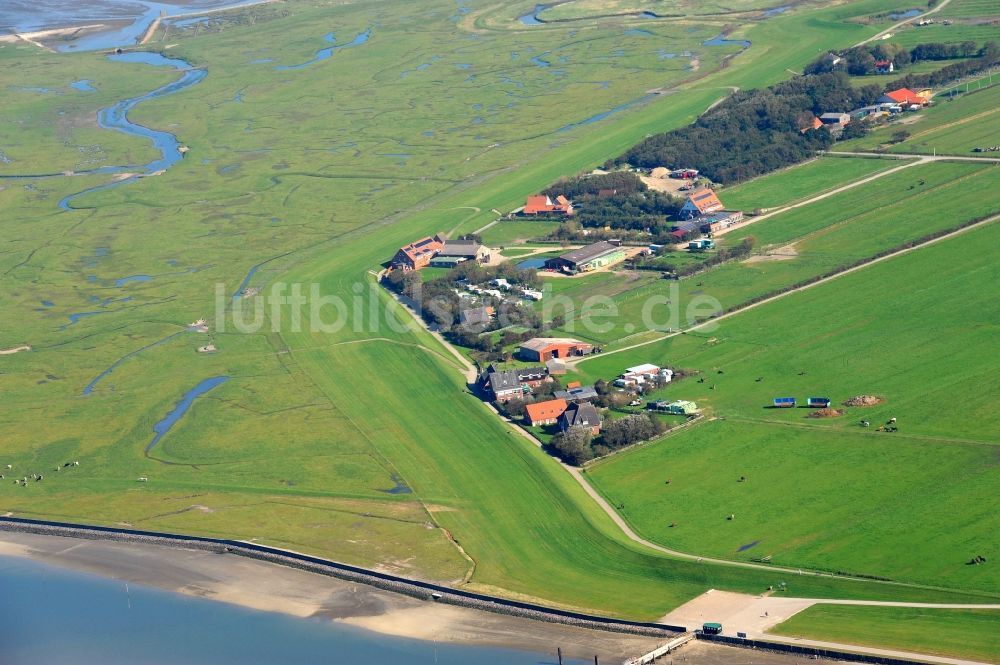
(163, 427)
(325, 53)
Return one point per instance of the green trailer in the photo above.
(712, 628)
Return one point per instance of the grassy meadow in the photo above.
(825, 492)
(969, 634)
(799, 182)
(799, 244)
(315, 176)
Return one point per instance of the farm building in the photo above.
(530, 377)
(555, 368)
(684, 174)
(545, 413)
(543, 349)
(583, 414)
(684, 226)
(417, 254)
(867, 112)
(903, 96)
(463, 250)
(784, 402)
(815, 123)
(701, 245)
(701, 202)
(591, 257)
(719, 220)
(533, 376)
(543, 205)
(577, 394)
(634, 376)
(818, 402)
(476, 316)
(834, 120)
(680, 408)
(504, 385)
(439, 252)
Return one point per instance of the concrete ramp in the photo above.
(737, 612)
(660, 651)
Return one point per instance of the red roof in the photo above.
(541, 203)
(704, 200)
(421, 251)
(816, 124)
(550, 410)
(905, 96)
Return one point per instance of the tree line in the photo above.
(758, 131)
(754, 131)
(860, 60)
(578, 445)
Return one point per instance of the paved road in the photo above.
(917, 160)
(923, 158)
(755, 615)
(896, 26)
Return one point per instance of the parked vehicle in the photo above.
(712, 628)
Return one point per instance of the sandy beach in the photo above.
(271, 588)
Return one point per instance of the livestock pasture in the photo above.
(970, 634)
(825, 492)
(799, 182)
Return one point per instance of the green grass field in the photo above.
(970, 634)
(517, 232)
(938, 32)
(969, 8)
(912, 506)
(317, 434)
(827, 234)
(799, 182)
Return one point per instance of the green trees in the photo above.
(573, 445)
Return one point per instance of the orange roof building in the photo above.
(543, 205)
(701, 202)
(815, 124)
(902, 96)
(417, 254)
(545, 413)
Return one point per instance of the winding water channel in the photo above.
(116, 117)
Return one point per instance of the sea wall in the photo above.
(415, 588)
(814, 652)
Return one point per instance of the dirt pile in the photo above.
(864, 400)
(826, 413)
